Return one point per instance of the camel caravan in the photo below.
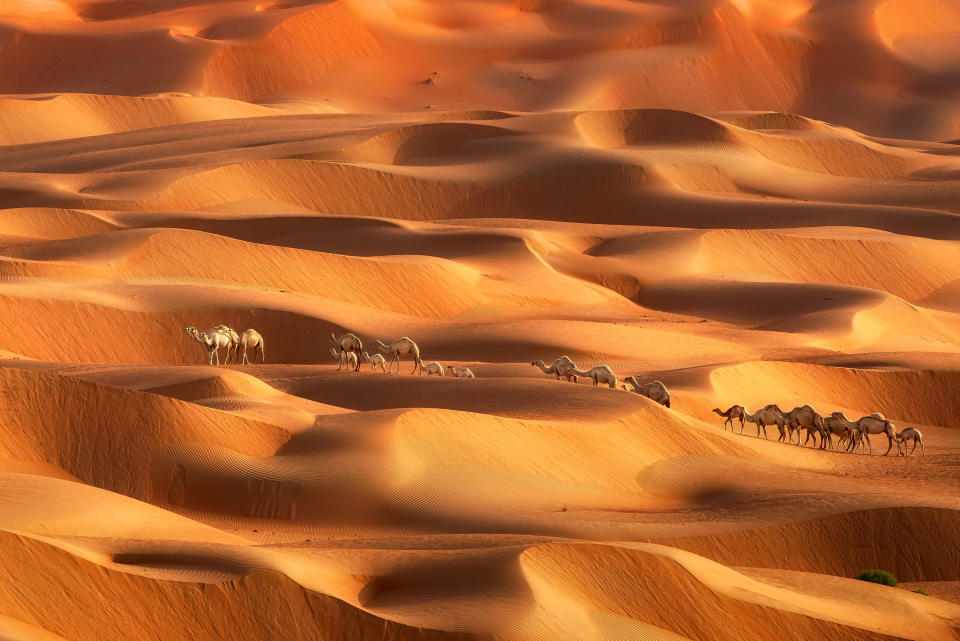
(851, 435)
(348, 351)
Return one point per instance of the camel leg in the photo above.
(890, 446)
(922, 453)
(263, 354)
(782, 432)
(414, 370)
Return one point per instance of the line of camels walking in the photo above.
(851, 435)
(347, 349)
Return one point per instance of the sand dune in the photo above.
(751, 201)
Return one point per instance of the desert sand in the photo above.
(753, 201)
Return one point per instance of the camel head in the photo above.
(191, 331)
(717, 410)
(538, 364)
(333, 337)
(839, 416)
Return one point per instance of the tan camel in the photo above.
(400, 347)
(347, 343)
(377, 360)
(655, 391)
(213, 340)
(461, 372)
(599, 374)
(769, 415)
(872, 424)
(846, 436)
(562, 368)
(431, 369)
(806, 418)
(910, 434)
(251, 339)
(735, 412)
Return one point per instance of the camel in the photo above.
(599, 374)
(769, 415)
(873, 424)
(377, 360)
(400, 347)
(806, 418)
(655, 391)
(347, 343)
(844, 434)
(461, 372)
(234, 345)
(431, 368)
(351, 358)
(562, 368)
(735, 412)
(212, 339)
(910, 434)
(250, 339)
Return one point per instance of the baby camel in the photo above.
(377, 360)
(735, 412)
(910, 434)
(461, 372)
(599, 374)
(431, 369)
(562, 368)
(351, 358)
(347, 343)
(655, 391)
(398, 348)
(212, 339)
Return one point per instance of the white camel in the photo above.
(910, 434)
(872, 424)
(400, 347)
(431, 369)
(561, 368)
(377, 360)
(213, 340)
(461, 372)
(599, 374)
(234, 346)
(347, 343)
(351, 358)
(655, 391)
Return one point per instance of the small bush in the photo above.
(878, 576)
(921, 591)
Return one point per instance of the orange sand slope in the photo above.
(752, 201)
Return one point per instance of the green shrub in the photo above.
(921, 591)
(878, 576)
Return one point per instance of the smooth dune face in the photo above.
(752, 201)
